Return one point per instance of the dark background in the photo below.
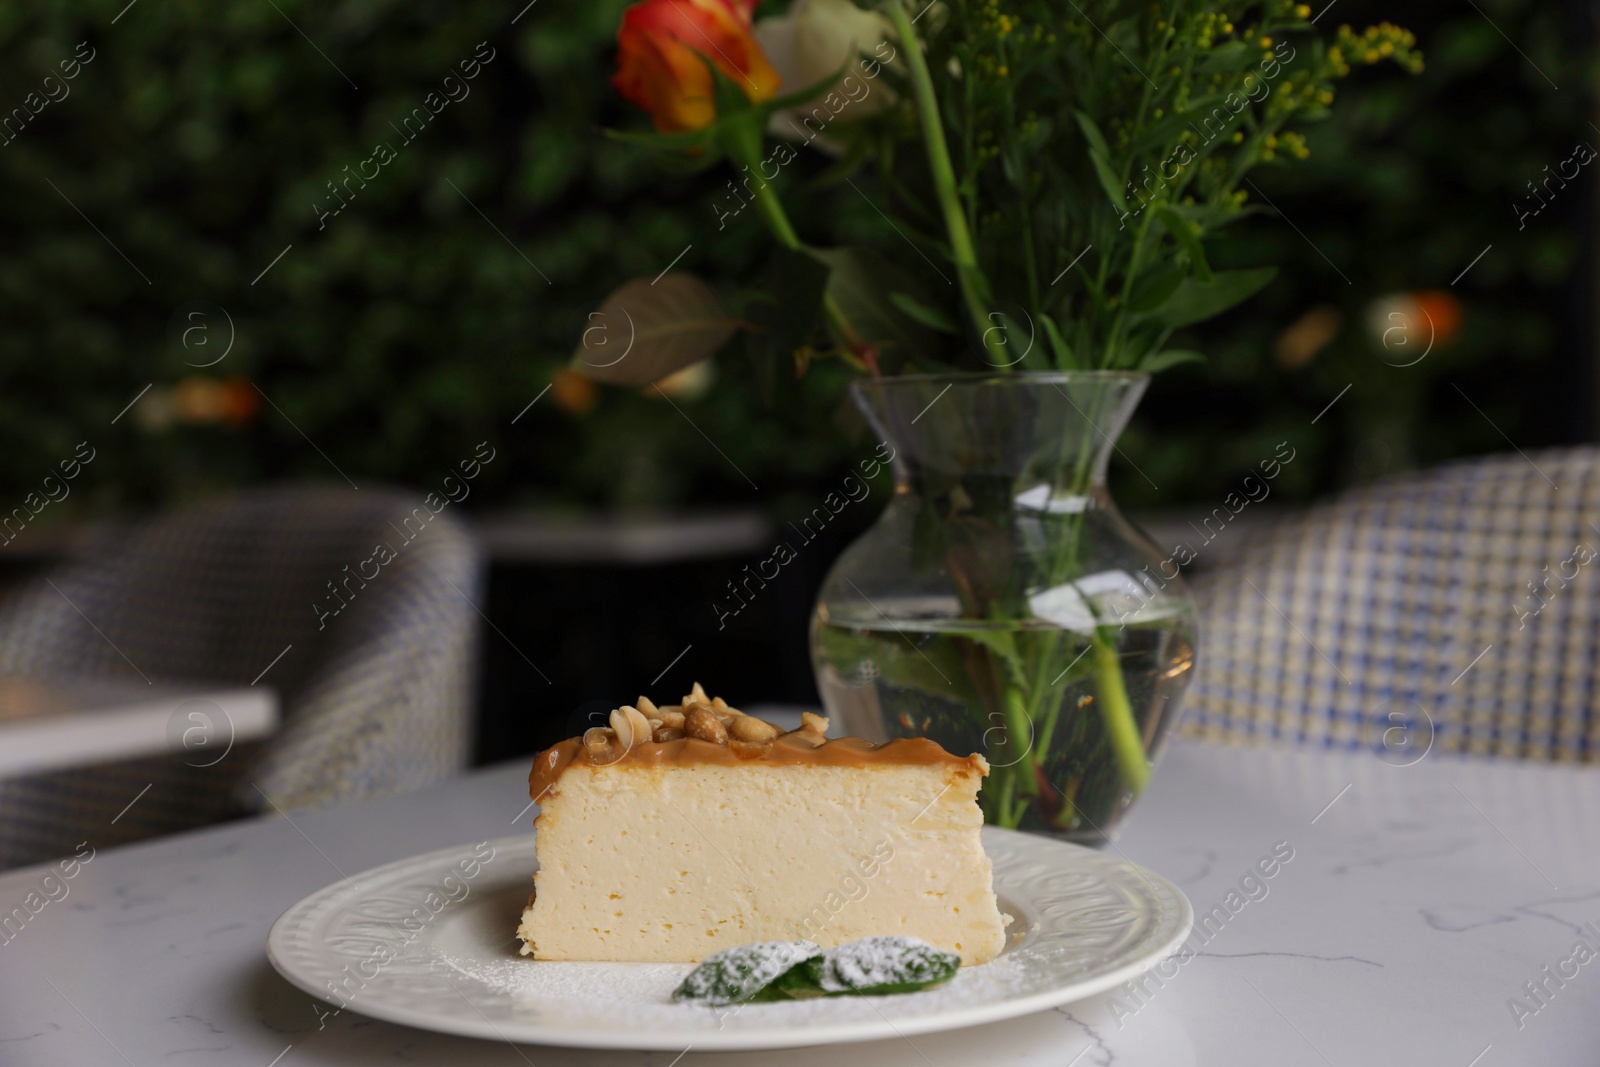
(429, 313)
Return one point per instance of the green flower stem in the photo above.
(776, 218)
(1111, 357)
(743, 146)
(1024, 193)
(1126, 742)
(943, 173)
(1019, 726)
(741, 139)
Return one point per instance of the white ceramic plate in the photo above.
(428, 942)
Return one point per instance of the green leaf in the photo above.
(875, 966)
(1108, 180)
(1062, 351)
(1154, 289)
(743, 974)
(1139, 345)
(1172, 357)
(860, 281)
(1163, 135)
(786, 970)
(1091, 132)
(1015, 344)
(1003, 643)
(934, 669)
(1235, 55)
(1183, 230)
(646, 330)
(797, 983)
(929, 317)
(1100, 159)
(691, 152)
(1096, 293)
(1196, 301)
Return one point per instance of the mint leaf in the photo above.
(875, 966)
(794, 970)
(745, 973)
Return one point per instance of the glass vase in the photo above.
(1002, 604)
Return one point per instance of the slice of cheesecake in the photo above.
(682, 831)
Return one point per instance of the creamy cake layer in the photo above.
(671, 853)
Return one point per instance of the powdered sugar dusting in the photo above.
(740, 973)
(880, 961)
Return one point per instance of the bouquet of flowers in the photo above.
(1046, 180)
(1042, 185)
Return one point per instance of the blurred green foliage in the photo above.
(198, 141)
(1408, 182)
(428, 313)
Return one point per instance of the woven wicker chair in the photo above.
(375, 699)
(1460, 605)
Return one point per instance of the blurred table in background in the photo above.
(586, 612)
(47, 727)
(548, 539)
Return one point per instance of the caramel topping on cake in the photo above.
(704, 730)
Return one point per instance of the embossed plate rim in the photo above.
(1017, 858)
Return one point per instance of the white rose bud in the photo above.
(813, 42)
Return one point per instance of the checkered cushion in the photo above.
(377, 699)
(1380, 601)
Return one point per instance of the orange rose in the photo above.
(201, 400)
(1410, 325)
(660, 66)
(1443, 310)
(574, 391)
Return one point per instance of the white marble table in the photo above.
(47, 728)
(1419, 900)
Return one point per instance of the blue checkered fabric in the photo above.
(377, 699)
(1464, 601)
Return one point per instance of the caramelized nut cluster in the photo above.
(698, 716)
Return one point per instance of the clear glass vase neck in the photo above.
(1044, 438)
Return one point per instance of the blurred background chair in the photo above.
(376, 698)
(1466, 597)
